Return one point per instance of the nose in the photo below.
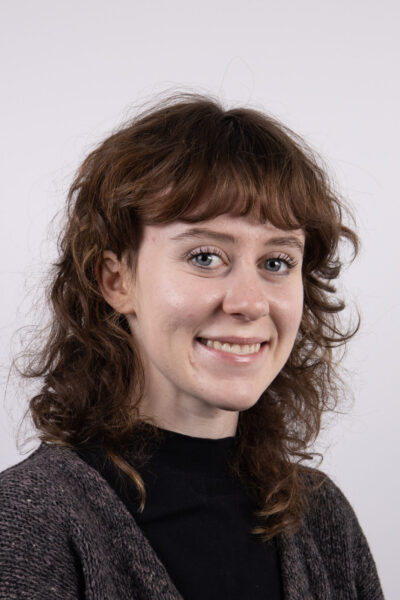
(246, 294)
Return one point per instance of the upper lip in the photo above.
(231, 339)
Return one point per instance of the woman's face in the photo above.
(204, 285)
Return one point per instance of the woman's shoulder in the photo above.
(44, 468)
(36, 460)
(35, 503)
(60, 520)
(48, 488)
(328, 508)
(326, 501)
(55, 489)
(36, 487)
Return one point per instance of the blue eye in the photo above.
(204, 254)
(205, 258)
(275, 264)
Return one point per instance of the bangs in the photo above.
(238, 164)
(236, 190)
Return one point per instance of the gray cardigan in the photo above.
(65, 534)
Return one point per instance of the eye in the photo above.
(280, 264)
(202, 257)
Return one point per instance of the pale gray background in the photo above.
(71, 71)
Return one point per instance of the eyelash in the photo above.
(284, 258)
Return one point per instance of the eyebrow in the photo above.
(200, 232)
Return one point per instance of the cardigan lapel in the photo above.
(137, 571)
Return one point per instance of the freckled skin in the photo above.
(175, 300)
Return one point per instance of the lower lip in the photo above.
(229, 357)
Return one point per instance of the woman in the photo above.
(189, 362)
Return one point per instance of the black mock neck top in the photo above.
(198, 519)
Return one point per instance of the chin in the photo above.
(238, 405)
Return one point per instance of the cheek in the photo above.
(178, 302)
(289, 311)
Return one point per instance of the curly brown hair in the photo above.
(155, 170)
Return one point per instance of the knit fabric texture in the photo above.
(65, 534)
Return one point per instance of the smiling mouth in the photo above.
(235, 349)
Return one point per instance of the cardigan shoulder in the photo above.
(36, 559)
(326, 502)
(30, 491)
(37, 489)
(65, 534)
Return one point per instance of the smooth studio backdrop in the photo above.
(72, 71)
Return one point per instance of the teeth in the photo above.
(234, 348)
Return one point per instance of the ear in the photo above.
(115, 280)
